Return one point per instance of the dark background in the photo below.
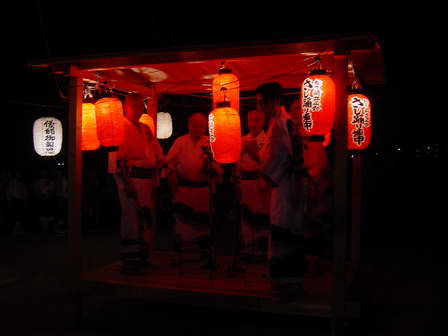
(402, 169)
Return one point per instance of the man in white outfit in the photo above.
(255, 193)
(134, 176)
(188, 160)
(282, 166)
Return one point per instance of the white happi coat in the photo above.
(187, 157)
(251, 194)
(315, 158)
(288, 200)
(255, 198)
(137, 151)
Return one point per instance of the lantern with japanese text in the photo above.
(318, 103)
(164, 125)
(147, 120)
(109, 122)
(47, 136)
(89, 138)
(225, 133)
(359, 122)
(226, 87)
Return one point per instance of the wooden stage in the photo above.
(249, 291)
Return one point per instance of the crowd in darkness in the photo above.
(37, 201)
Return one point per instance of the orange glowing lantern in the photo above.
(318, 103)
(109, 122)
(359, 121)
(147, 120)
(225, 133)
(89, 138)
(226, 87)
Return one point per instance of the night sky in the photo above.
(39, 30)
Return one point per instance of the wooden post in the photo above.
(340, 185)
(74, 183)
(356, 209)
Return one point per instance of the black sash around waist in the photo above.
(191, 184)
(136, 172)
(249, 174)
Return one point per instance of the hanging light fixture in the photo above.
(318, 103)
(164, 125)
(147, 120)
(359, 121)
(225, 133)
(109, 121)
(226, 87)
(47, 136)
(89, 137)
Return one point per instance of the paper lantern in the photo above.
(109, 122)
(359, 121)
(164, 125)
(226, 87)
(147, 120)
(318, 103)
(225, 133)
(47, 136)
(89, 138)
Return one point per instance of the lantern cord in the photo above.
(253, 75)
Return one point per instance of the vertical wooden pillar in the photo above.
(74, 181)
(340, 185)
(356, 209)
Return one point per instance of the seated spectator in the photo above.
(17, 196)
(44, 200)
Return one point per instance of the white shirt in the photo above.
(246, 162)
(137, 149)
(288, 200)
(187, 157)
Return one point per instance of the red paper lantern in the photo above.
(147, 120)
(89, 137)
(359, 121)
(109, 122)
(226, 87)
(318, 103)
(225, 133)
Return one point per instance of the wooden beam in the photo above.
(340, 185)
(74, 181)
(119, 84)
(356, 210)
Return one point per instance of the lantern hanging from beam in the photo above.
(89, 137)
(359, 121)
(226, 87)
(109, 122)
(318, 103)
(225, 133)
(147, 120)
(47, 136)
(164, 125)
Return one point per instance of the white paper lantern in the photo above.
(47, 135)
(164, 125)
